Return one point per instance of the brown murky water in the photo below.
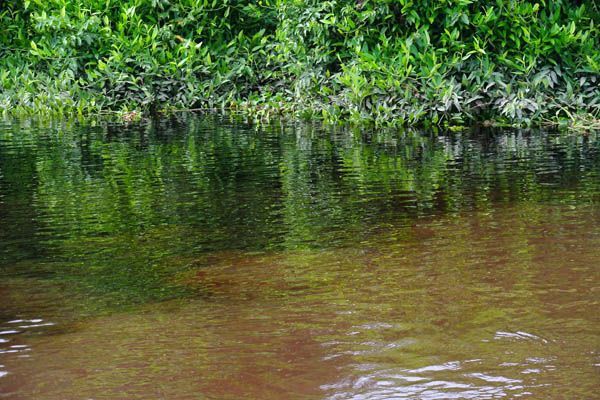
(477, 305)
(486, 302)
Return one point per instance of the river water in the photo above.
(199, 257)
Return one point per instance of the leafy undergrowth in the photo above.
(384, 62)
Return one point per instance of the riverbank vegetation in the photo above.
(387, 62)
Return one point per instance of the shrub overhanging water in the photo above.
(387, 62)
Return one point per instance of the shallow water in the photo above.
(201, 258)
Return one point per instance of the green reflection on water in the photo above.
(118, 211)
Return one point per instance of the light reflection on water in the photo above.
(317, 274)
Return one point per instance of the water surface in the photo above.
(203, 258)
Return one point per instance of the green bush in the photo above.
(384, 61)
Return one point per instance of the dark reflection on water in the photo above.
(203, 258)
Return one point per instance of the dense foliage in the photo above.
(384, 61)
